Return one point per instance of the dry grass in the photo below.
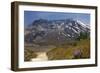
(67, 52)
(29, 54)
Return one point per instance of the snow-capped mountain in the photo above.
(54, 31)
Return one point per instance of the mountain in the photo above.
(54, 31)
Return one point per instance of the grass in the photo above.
(29, 54)
(67, 51)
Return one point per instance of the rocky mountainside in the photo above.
(54, 31)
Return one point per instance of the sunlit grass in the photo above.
(67, 51)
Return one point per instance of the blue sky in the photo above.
(30, 16)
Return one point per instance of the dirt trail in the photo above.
(41, 56)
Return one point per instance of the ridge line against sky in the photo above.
(31, 16)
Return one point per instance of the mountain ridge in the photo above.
(54, 31)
